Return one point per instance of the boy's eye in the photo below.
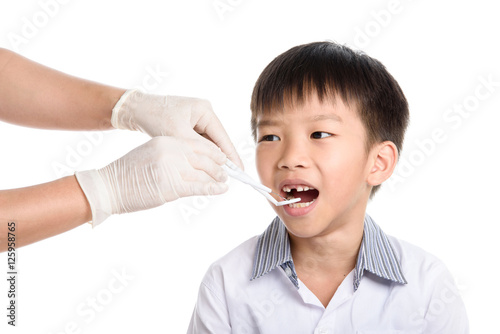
(270, 138)
(320, 135)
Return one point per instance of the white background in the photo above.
(445, 202)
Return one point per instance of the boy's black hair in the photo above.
(330, 70)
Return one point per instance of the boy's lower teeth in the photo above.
(300, 205)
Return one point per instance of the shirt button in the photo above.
(322, 331)
(288, 271)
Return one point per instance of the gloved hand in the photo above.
(161, 170)
(180, 117)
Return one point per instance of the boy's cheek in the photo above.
(261, 163)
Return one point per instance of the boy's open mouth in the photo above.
(306, 193)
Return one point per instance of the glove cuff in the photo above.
(117, 116)
(96, 192)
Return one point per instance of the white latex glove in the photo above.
(161, 170)
(177, 116)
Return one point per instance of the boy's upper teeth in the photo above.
(299, 188)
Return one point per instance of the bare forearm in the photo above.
(42, 211)
(37, 96)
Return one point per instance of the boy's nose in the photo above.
(293, 156)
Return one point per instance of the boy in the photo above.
(329, 124)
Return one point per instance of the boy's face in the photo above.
(320, 146)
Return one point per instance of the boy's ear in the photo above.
(385, 157)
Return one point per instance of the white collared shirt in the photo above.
(395, 288)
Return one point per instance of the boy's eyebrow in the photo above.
(267, 122)
(323, 117)
(316, 118)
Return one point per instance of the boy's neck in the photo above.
(323, 262)
(333, 253)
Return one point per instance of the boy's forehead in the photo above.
(309, 110)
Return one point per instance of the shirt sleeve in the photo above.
(210, 314)
(445, 312)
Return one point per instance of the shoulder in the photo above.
(237, 264)
(418, 265)
(224, 279)
(410, 255)
(432, 286)
(243, 252)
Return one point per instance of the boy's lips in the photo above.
(295, 188)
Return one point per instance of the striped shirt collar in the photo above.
(376, 254)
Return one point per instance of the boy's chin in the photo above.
(303, 226)
(302, 231)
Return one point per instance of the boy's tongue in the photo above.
(305, 196)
